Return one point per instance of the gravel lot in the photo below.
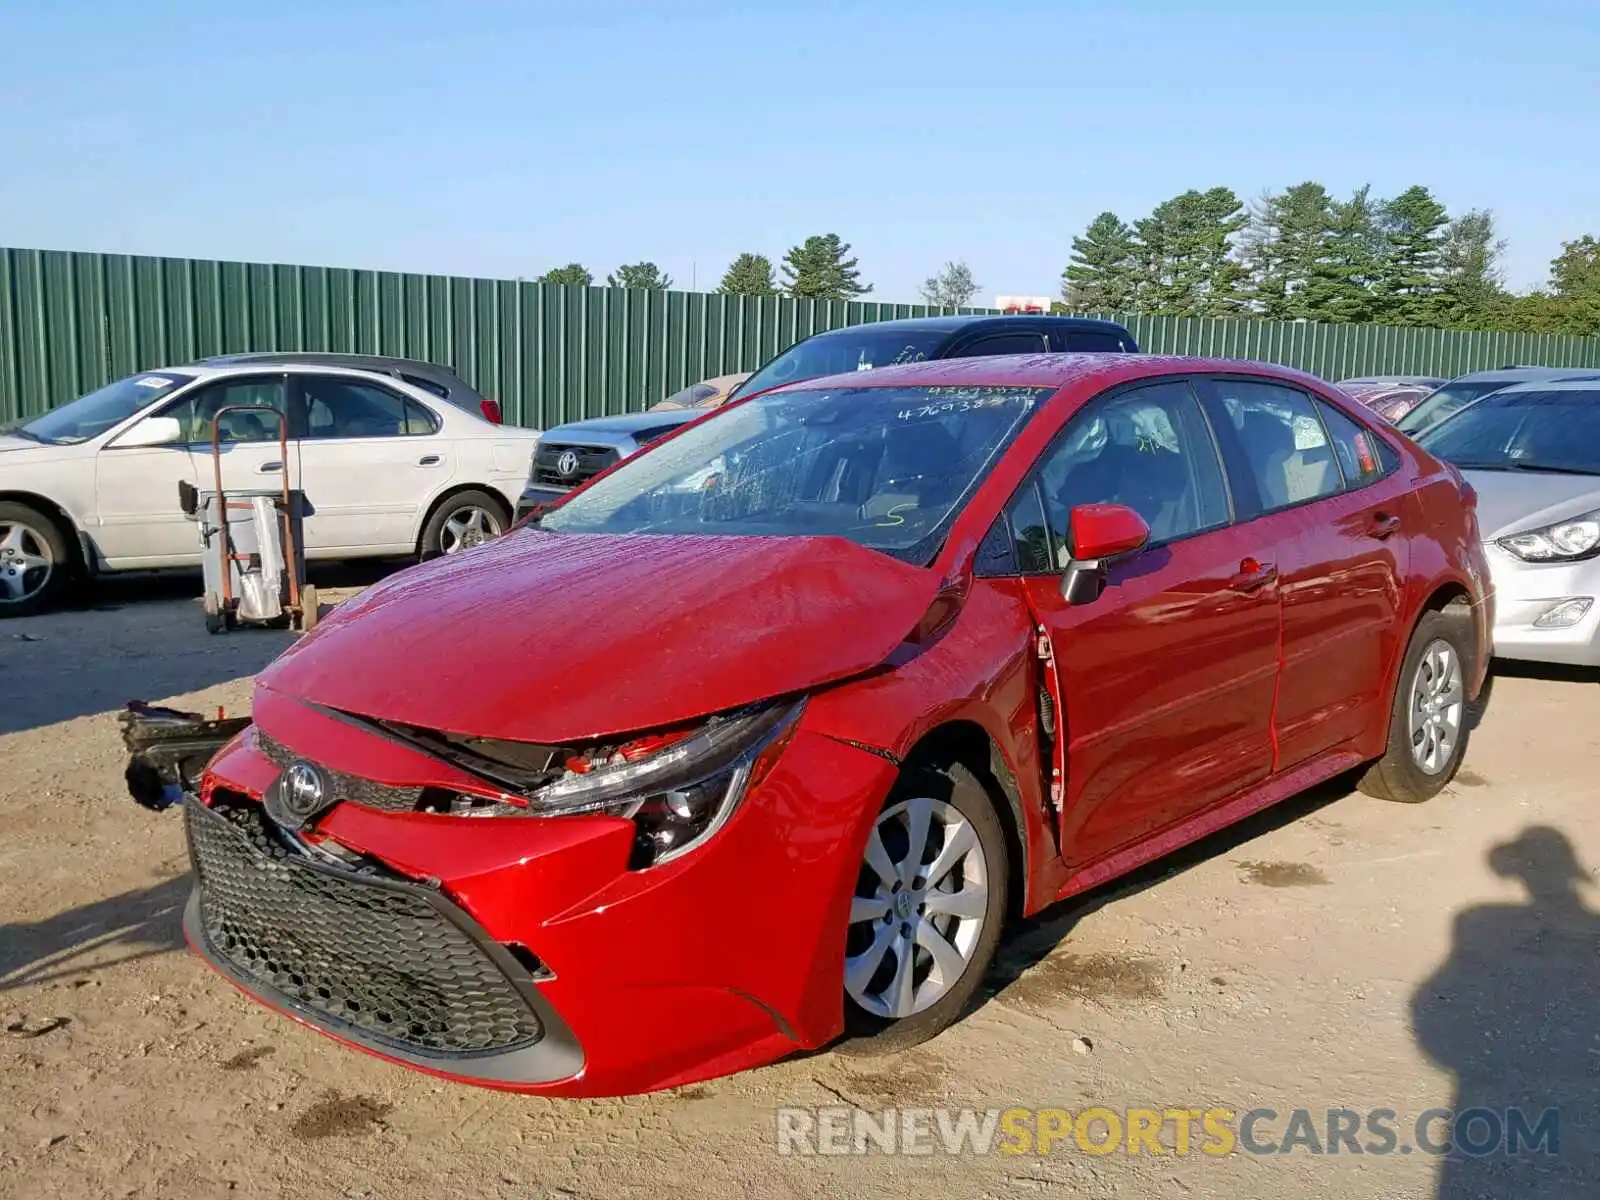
(1337, 952)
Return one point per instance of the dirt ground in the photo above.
(1336, 952)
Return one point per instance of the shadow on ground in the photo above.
(134, 925)
(1510, 1014)
(135, 637)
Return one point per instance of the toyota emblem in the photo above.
(297, 795)
(567, 464)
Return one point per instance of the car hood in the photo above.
(630, 423)
(556, 638)
(10, 442)
(1516, 501)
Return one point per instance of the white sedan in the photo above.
(387, 469)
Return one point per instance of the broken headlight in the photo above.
(678, 789)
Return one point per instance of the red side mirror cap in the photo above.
(1106, 531)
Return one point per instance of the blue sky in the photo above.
(497, 137)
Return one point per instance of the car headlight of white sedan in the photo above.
(1565, 541)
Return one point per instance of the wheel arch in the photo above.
(968, 743)
(507, 511)
(64, 522)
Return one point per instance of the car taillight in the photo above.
(491, 411)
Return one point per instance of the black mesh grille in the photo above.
(360, 948)
(587, 462)
(346, 787)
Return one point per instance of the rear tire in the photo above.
(1429, 716)
(36, 561)
(461, 522)
(948, 924)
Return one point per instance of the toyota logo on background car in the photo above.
(567, 464)
(297, 795)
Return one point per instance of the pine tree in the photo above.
(749, 275)
(572, 273)
(818, 269)
(1471, 295)
(645, 276)
(1100, 274)
(1409, 275)
(1285, 242)
(1340, 290)
(1184, 255)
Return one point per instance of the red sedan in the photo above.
(760, 738)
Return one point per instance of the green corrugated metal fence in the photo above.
(70, 322)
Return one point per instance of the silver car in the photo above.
(1532, 453)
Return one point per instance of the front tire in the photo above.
(35, 561)
(928, 907)
(1428, 720)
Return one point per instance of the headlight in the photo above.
(677, 789)
(1565, 541)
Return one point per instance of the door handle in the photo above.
(428, 460)
(1252, 576)
(268, 468)
(1385, 526)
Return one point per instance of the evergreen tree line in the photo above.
(819, 268)
(1305, 254)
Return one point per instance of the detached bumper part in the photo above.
(168, 750)
(376, 961)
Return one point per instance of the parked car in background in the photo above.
(579, 450)
(1389, 401)
(442, 381)
(1532, 453)
(1459, 392)
(708, 393)
(387, 468)
(991, 632)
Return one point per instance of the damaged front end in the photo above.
(169, 749)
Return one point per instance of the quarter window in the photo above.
(1282, 442)
(1358, 449)
(1150, 449)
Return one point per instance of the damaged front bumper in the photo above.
(169, 749)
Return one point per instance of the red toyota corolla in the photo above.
(759, 738)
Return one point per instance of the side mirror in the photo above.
(153, 431)
(1099, 533)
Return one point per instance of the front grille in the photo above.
(380, 959)
(388, 797)
(588, 461)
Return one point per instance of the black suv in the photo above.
(574, 453)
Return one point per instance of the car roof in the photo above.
(1053, 371)
(1522, 374)
(1591, 385)
(212, 369)
(954, 324)
(324, 358)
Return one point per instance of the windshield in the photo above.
(885, 467)
(1523, 431)
(90, 416)
(1444, 401)
(856, 349)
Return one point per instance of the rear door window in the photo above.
(1280, 446)
(1089, 341)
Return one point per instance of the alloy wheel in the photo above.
(468, 527)
(1438, 707)
(26, 562)
(918, 909)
